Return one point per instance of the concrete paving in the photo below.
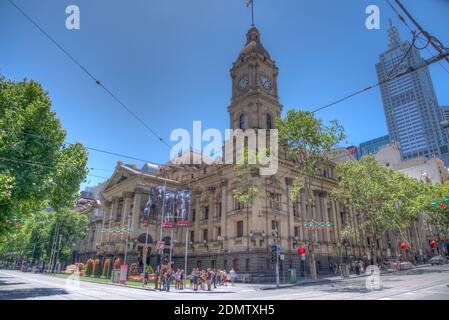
(426, 283)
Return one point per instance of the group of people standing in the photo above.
(199, 279)
(167, 276)
(205, 279)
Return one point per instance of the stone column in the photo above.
(224, 211)
(290, 217)
(326, 202)
(137, 210)
(114, 212)
(106, 217)
(210, 204)
(303, 214)
(126, 210)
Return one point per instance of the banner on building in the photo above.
(170, 210)
(182, 208)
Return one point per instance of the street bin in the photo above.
(291, 275)
(115, 275)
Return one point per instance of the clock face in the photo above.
(266, 82)
(243, 83)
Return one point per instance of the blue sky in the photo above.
(169, 61)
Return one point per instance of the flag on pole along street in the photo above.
(182, 208)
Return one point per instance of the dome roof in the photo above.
(253, 44)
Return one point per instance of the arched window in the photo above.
(242, 122)
(269, 121)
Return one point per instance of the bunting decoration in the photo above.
(318, 226)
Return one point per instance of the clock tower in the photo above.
(255, 102)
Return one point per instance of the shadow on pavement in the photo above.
(30, 293)
(6, 283)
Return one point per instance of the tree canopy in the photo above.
(37, 169)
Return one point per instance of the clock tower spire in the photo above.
(255, 102)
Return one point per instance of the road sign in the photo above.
(281, 257)
(160, 245)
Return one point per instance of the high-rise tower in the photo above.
(410, 103)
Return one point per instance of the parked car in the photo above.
(438, 260)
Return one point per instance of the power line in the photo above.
(88, 148)
(98, 82)
(31, 163)
(401, 73)
(411, 30)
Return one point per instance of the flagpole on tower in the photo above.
(251, 3)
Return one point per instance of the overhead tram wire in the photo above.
(85, 70)
(36, 164)
(402, 19)
(119, 155)
(389, 78)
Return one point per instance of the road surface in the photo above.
(430, 283)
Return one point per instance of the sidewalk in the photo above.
(331, 279)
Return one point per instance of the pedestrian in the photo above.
(181, 279)
(233, 276)
(357, 268)
(224, 277)
(196, 279)
(361, 266)
(218, 277)
(177, 276)
(168, 279)
(209, 279)
(214, 278)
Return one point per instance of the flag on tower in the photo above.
(249, 2)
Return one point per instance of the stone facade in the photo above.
(224, 233)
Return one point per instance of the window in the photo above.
(205, 212)
(242, 122)
(205, 234)
(269, 121)
(275, 201)
(247, 264)
(218, 231)
(219, 209)
(236, 264)
(239, 205)
(239, 229)
(193, 215)
(192, 236)
(295, 210)
(296, 232)
(274, 225)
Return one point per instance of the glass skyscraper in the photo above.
(411, 108)
(372, 146)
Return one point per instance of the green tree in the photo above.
(309, 143)
(36, 168)
(35, 238)
(384, 199)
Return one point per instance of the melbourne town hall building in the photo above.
(222, 231)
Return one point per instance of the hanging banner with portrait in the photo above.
(182, 208)
(170, 210)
